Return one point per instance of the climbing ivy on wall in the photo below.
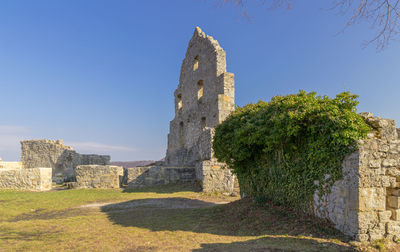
(279, 148)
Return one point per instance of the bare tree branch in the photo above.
(382, 15)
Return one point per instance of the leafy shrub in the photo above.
(279, 148)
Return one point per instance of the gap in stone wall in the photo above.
(393, 200)
(199, 89)
(196, 63)
(203, 122)
(179, 97)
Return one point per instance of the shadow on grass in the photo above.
(275, 244)
(171, 188)
(18, 235)
(239, 218)
(173, 203)
(42, 214)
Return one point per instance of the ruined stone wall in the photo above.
(203, 99)
(87, 159)
(365, 204)
(33, 179)
(137, 177)
(99, 176)
(63, 159)
(10, 165)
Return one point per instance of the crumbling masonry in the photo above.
(203, 99)
(61, 158)
(365, 204)
(47, 161)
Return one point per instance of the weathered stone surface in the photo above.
(372, 199)
(10, 165)
(215, 177)
(61, 158)
(137, 177)
(384, 216)
(33, 179)
(365, 203)
(203, 99)
(99, 176)
(393, 227)
(393, 202)
(395, 214)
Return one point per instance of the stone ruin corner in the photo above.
(365, 204)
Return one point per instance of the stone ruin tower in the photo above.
(203, 99)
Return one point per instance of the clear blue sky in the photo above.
(101, 74)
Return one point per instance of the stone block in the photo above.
(393, 227)
(389, 163)
(10, 165)
(375, 236)
(393, 202)
(367, 220)
(395, 192)
(388, 181)
(384, 148)
(384, 216)
(375, 164)
(31, 179)
(371, 199)
(395, 214)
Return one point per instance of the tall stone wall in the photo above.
(203, 99)
(61, 158)
(365, 204)
(34, 179)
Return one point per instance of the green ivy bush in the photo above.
(279, 148)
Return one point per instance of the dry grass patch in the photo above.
(174, 218)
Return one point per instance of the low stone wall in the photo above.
(137, 177)
(215, 177)
(99, 176)
(365, 204)
(33, 179)
(10, 165)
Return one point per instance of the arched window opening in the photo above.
(199, 89)
(196, 63)
(179, 101)
(203, 122)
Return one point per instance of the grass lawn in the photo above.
(173, 218)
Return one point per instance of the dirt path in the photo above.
(161, 203)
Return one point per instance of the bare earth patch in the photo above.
(166, 203)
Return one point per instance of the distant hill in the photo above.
(128, 164)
